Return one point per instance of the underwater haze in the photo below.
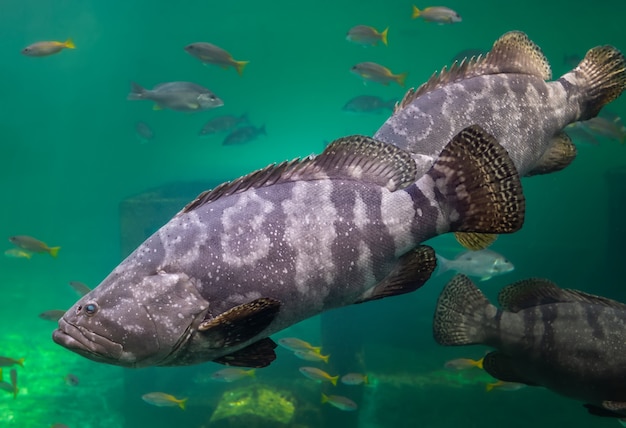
(76, 174)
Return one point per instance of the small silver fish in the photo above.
(180, 96)
(340, 402)
(243, 135)
(209, 53)
(18, 253)
(366, 35)
(377, 73)
(223, 123)
(483, 264)
(143, 132)
(311, 356)
(33, 245)
(314, 373)
(161, 399)
(295, 344)
(52, 315)
(368, 104)
(354, 379)
(232, 374)
(80, 288)
(600, 126)
(438, 14)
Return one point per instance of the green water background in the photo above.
(69, 155)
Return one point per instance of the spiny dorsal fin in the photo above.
(560, 154)
(356, 157)
(410, 273)
(512, 53)
(537, 291)
(479, 185)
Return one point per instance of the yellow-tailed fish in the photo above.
(504, 386)
(377, 73)
(366, 35)
(209, 53)
(33, 245)
(438, 14)
(7, 362)
(354, 379)
(318, 375)
(232, 374)
(47, 48)
(18, 253)
(340, 402)
(161, 399)
(311, 356)
(463, 364)
(295, 344)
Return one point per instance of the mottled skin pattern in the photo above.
(575, 349)
(565, 340)
(311, 245)
(522, 111)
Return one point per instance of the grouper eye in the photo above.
(91, 309)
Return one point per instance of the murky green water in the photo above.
(69, 156)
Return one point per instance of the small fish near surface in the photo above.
(33, 245)
(484, 264)
(209, 53)
(225, 123)
(47, 48)
(565, 340)
(368, 104)
(270, 249)
(161, 399)
(243, 135)
(438, 14)
(179, 96)
(371, 71)
(366, 35)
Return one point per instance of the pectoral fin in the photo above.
(257, 355)
(502, 367)
(240, 323)
(410, 273)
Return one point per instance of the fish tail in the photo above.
(478, 185)
(443, 264)
(54, 251)
(69, 44)
(325, 358)
(383, 36)
(400, 78)
(324, 398)
(239, 66)
(461, 314)
(333, 380)
(137, 92)
(479, 363)
(251, 373)
(602, 74)
(182, 403)
(20, 362)
(317, 349)
(366, 380)
(416, 12)
(491, 386)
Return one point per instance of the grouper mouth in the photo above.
(87, 343)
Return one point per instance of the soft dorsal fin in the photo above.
(512, 53)
(356, 157)
(537, 291)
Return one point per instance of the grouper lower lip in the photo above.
(86, 343)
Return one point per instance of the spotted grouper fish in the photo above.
(565, 340)
(261, 253)
(507, 93)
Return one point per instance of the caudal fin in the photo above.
(462, 314)
(239, 66)
(602, 73)
(54, 251)
(479, 187)
(137, 92)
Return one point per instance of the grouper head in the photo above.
(133, 322)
